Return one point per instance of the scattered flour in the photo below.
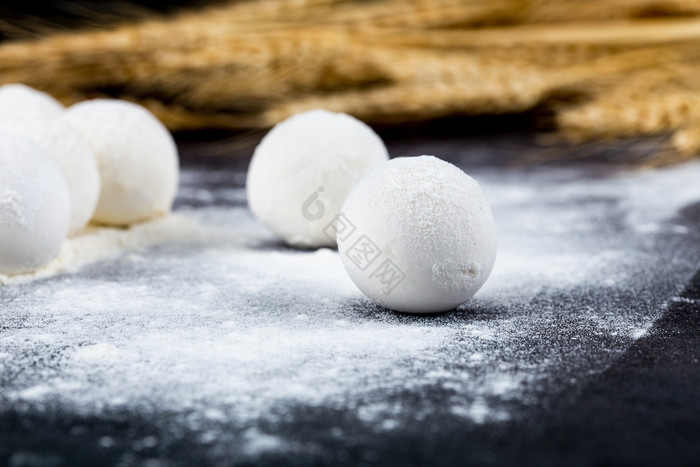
(100, 243)
(222, 334)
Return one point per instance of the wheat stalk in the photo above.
(606, 68)
(686, 141)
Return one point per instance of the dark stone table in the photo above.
(587, 392)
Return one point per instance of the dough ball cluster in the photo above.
(415, 234)
(106, 161)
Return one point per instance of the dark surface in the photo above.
(643, 410)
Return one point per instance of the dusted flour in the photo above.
(417, 235)
(226, 341)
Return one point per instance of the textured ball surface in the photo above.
(417, 235)
(34, 205)
(18, 99)
(136, 157)
(73, 155)
(304, 168)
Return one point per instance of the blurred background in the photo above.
(576, 71)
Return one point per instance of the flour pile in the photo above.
(102, 243)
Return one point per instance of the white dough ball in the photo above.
(136, 157)
(303, 169)
(417, 235)
(73, 155)
(18, 99)
(34, 205)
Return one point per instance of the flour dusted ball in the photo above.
(73, 155)
(304, 168)
(18, 99)
(417, 235)
(34, 205)
(136, 157)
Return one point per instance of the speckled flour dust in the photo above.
(205, 324)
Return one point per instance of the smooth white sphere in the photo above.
(73, 155)
(417, 235)
(18, 99)
(303, 169)
(34, 205)
(136, 156)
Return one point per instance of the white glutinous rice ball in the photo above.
(34, 205)
(417, 235)
(304, 168)
(71, 151)
(19, 99)
(136, 157)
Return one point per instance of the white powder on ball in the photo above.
(34, 205)
(73, 155)
(19, 99)
(304, 168)
(136, 157)
(417, 235)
